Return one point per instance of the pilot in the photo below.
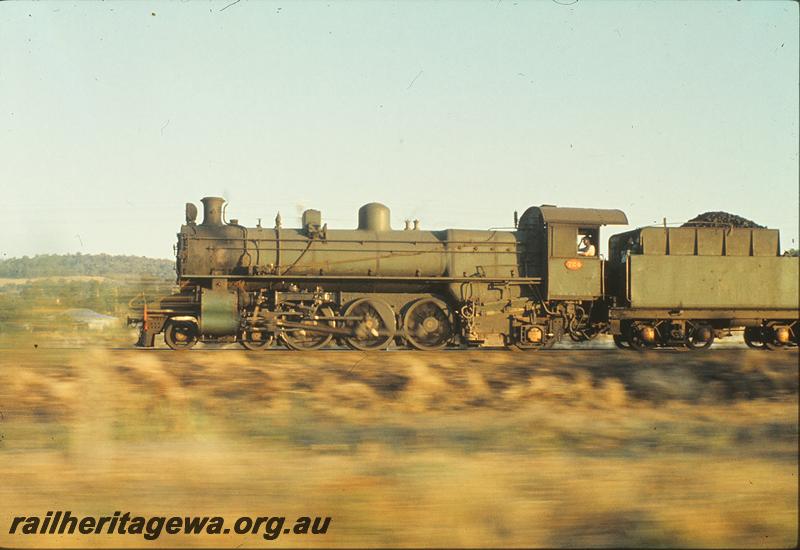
(586, 248)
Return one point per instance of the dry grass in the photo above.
(410, 449)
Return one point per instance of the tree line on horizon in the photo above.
(103, 265)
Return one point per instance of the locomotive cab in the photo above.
(571, 270)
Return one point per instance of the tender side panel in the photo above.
(703, 241)
(728, 282)
(710, 241)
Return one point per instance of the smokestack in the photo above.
(212, 210)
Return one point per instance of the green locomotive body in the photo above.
(374, 286)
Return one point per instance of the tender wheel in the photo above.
(428, 324)
(180, 335)
(701, 337)
(255, 340)
(301, 339)
(375, 328)
(773, 340)
(621, 342)
(641, 337)
(753, 337)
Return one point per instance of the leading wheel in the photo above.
(428, 324)
(375, 326)
(180, 335)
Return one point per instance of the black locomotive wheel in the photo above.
(621, 342)
(302, 339)
(180, 335)
(753, 337)
(254, 340)
(700, 338)
(428, 324)
(375, 328)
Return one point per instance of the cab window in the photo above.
(563, 241)
(586, 244)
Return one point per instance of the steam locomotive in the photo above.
(526, 288)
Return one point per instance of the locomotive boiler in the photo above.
(374, 286)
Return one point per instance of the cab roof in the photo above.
(537, 215)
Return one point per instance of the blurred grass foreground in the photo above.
(567, 448)
(559, 449)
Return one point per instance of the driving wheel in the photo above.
(427, 324)
(375, 326)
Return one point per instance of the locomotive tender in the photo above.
(525, 288)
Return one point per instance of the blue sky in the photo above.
(457, 113)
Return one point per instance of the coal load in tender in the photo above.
(720, 219)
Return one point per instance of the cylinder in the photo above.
(374, 217)
(219, 314)
(212, 210)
